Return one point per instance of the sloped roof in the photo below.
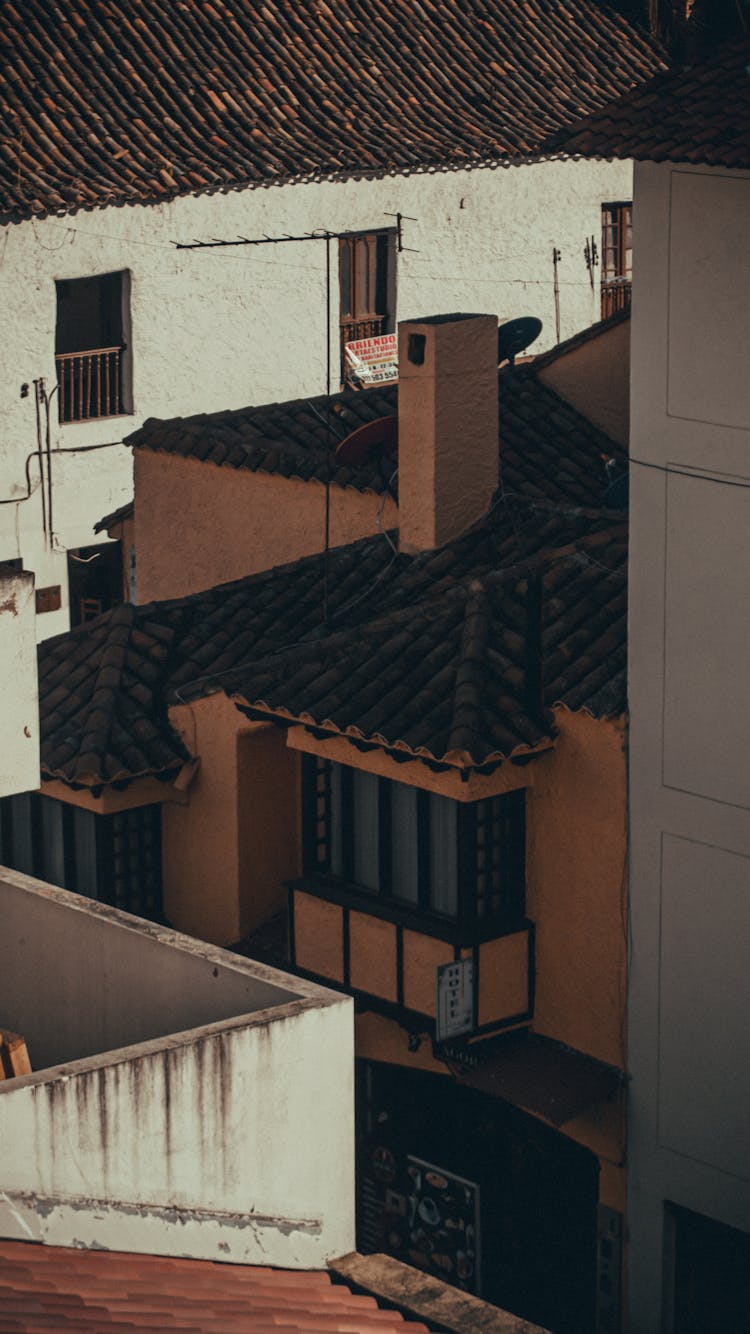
(446, 677)
(700, 114)
(547, 448)
(52, 1287)
(119, 515)
(424, 655)
(117, 101)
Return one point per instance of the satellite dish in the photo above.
(515, 336)
(380, 435)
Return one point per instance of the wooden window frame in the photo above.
(365, 314)
(617, 278)
(506, 913)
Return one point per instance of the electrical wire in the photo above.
(686, 472)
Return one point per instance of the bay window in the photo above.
(414, 850)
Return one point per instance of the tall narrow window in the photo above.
(365, 275)
(91, 352)
(617, 257)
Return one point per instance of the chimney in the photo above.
(448, 469)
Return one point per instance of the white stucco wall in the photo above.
(19, 715)
(689, 992)
(231, 1141)
(223, 328)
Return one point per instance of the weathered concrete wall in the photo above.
(224, 523)
(78, 978)
(223, 328)
(233, 1141)
(19, 712)
(689, 993)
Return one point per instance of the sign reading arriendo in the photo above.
(455, 999)
(371, 361)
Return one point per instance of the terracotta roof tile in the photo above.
(425, 655)
(108, 102)
(55, 1289)
(699, 114)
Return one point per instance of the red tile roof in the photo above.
(53, 1289)
(137, 101)
(698, 115)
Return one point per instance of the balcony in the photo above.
(90, 384)
(388, 956)
(616, 296)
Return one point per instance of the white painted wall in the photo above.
(19, 715)
(223, 328)
(689, 1050)
(230, 1141)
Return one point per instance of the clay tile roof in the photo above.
(426, 655)
(699, 114)
(117, 516)
(443, 672)
(112, 102)
(284, 438)
(53, 1288)
(102, 720)
(547, 448)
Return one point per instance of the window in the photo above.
(617, 257)
(91, 353)
(94, 580)
(418, 850)
(113, 858)
(366, 273)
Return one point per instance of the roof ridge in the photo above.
(470, 672)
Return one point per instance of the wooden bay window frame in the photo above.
(488, 866)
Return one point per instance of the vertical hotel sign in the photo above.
(371, 361)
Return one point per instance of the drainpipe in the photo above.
(38, 392)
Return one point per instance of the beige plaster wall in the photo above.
(269, 821)
(197, 525)
(594, 378)
(200, 841)
(576, 886)
(235, 839)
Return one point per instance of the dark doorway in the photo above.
(94, 580)
(712, 1276)
(535, 1194)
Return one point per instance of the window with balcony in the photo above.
(366, 276)
(617, 257)
(91, 347)
(413, 851)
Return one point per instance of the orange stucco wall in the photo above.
(228, 851)
(372, 957)
(319, 933)
(576, 885)
(503, 977)
(197, 525)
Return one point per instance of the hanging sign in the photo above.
(455, 999)
(370, 361)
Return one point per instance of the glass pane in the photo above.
(405, 853)
(345, 277)
(52, 866)
(443, 855)
(366, 831)
(84, 841)
(336, 851)
(362, 280)
(23, 836)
